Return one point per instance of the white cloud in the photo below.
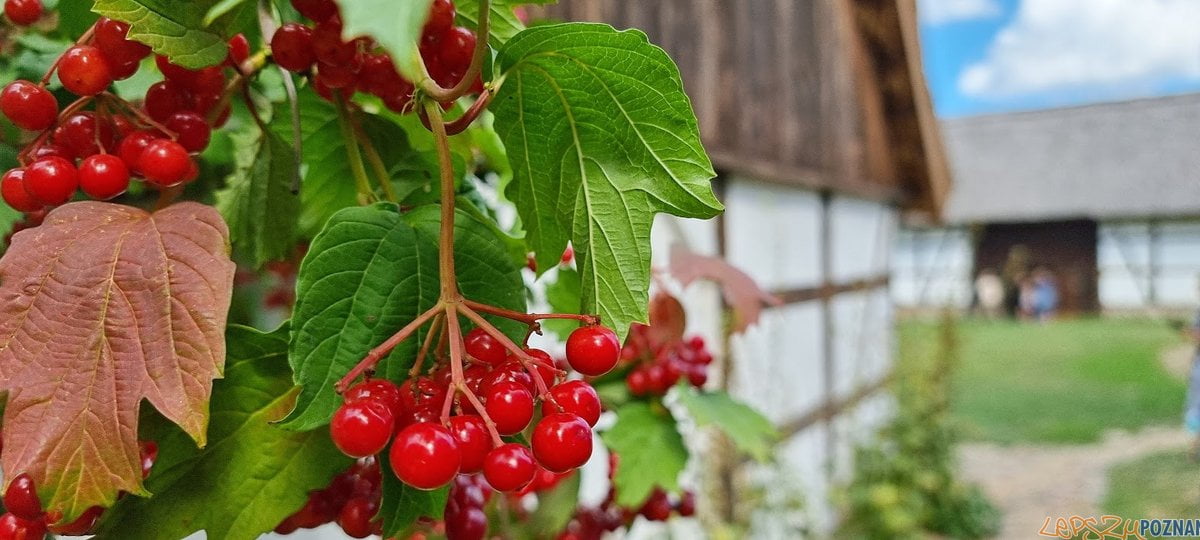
(948, 11)
(1063, 44)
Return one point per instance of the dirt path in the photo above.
(1031, 482)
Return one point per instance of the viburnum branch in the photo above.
(449, 280)
(375, 355)
(529, 318)
(530, 363)
(458, 383)
(460, 124)
(434, 328)
(140, 114)
(444, 95)
(362, 184)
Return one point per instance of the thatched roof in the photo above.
(1132, 159)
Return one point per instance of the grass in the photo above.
(1156, 486)
(1063, 382)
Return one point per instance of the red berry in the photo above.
(149, 454)
(51, 181)
(485, 348)
(473, 441)
(239, 50)
(381, 390)
(82, 525)
(12, 187)
(468, 523)
(21, 498)
(28, 105)
(562, 442)
(577, 398)
(131, 147)
(543, 365)
(50, 149)
(316, 10)
(637, 382)
(165, 163)
(209, 80)
(328, 46)
(509, 467)
(174, 72)
(355, 517)
(84, 70)
(441, 19)
(192, 129)
(165, 98)
(509, 371)
(657, 507)
(15, 528)
(510, 405)
(336, 75)
(23, 12)
(425, 456)
(103, 176)
(291, 47)
(83, 135)
(687, 504)
(593, 350)
(362, 428)
(118, 49)
(419, 392)
(456, 49)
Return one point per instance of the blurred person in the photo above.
(989, 293)
(1044, 295)
(1016, 271)
(1191, 415)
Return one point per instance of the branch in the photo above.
(375, 355)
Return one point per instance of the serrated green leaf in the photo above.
(251, 475)
(402, 504)
(563, 296)
(601, 137)
(396, 26)
(367, 274)
(328, 182)
(74, 18)
(650, 452)
(171, 28)
(257, 201)
(749, 430)
(503, 23)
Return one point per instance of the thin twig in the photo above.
(375, 355)
(434, 328)
(530, 363)
(373, 158)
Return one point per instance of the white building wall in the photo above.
(1124, 258)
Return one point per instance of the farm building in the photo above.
(1106, 197)
(819, 123)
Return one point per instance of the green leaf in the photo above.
(257, 201)
(396, 26)
(222, 8)
(328, 182)
(74, 18)
(563, 296)
(503, 24)
(172, 28)
(402, 504)
(601, 137)
(372, 270)
(650, 450)
(555, 507)
(252, 474)
(749, 430)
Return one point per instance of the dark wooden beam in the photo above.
(829, 290)
(830, 409)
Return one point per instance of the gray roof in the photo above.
(1131, 159)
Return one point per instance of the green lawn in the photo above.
(1159, 486)
(1062, 382)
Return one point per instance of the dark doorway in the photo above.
(1066, 248)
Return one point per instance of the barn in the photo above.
(819, 122)
(1105, 196)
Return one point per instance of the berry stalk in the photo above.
(444, 95)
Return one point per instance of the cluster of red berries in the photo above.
(23, 12)
(26, 520)
(593, 523)
(659, 366)
(351, 500)
(429, 447)
(359, 65)
(99, 151)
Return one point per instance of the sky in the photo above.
(994, 56)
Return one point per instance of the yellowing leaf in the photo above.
(100, 307)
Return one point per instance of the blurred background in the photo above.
(982, 218)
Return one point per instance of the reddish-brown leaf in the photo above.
(102, 306)
(668, 321)
(739, 289)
